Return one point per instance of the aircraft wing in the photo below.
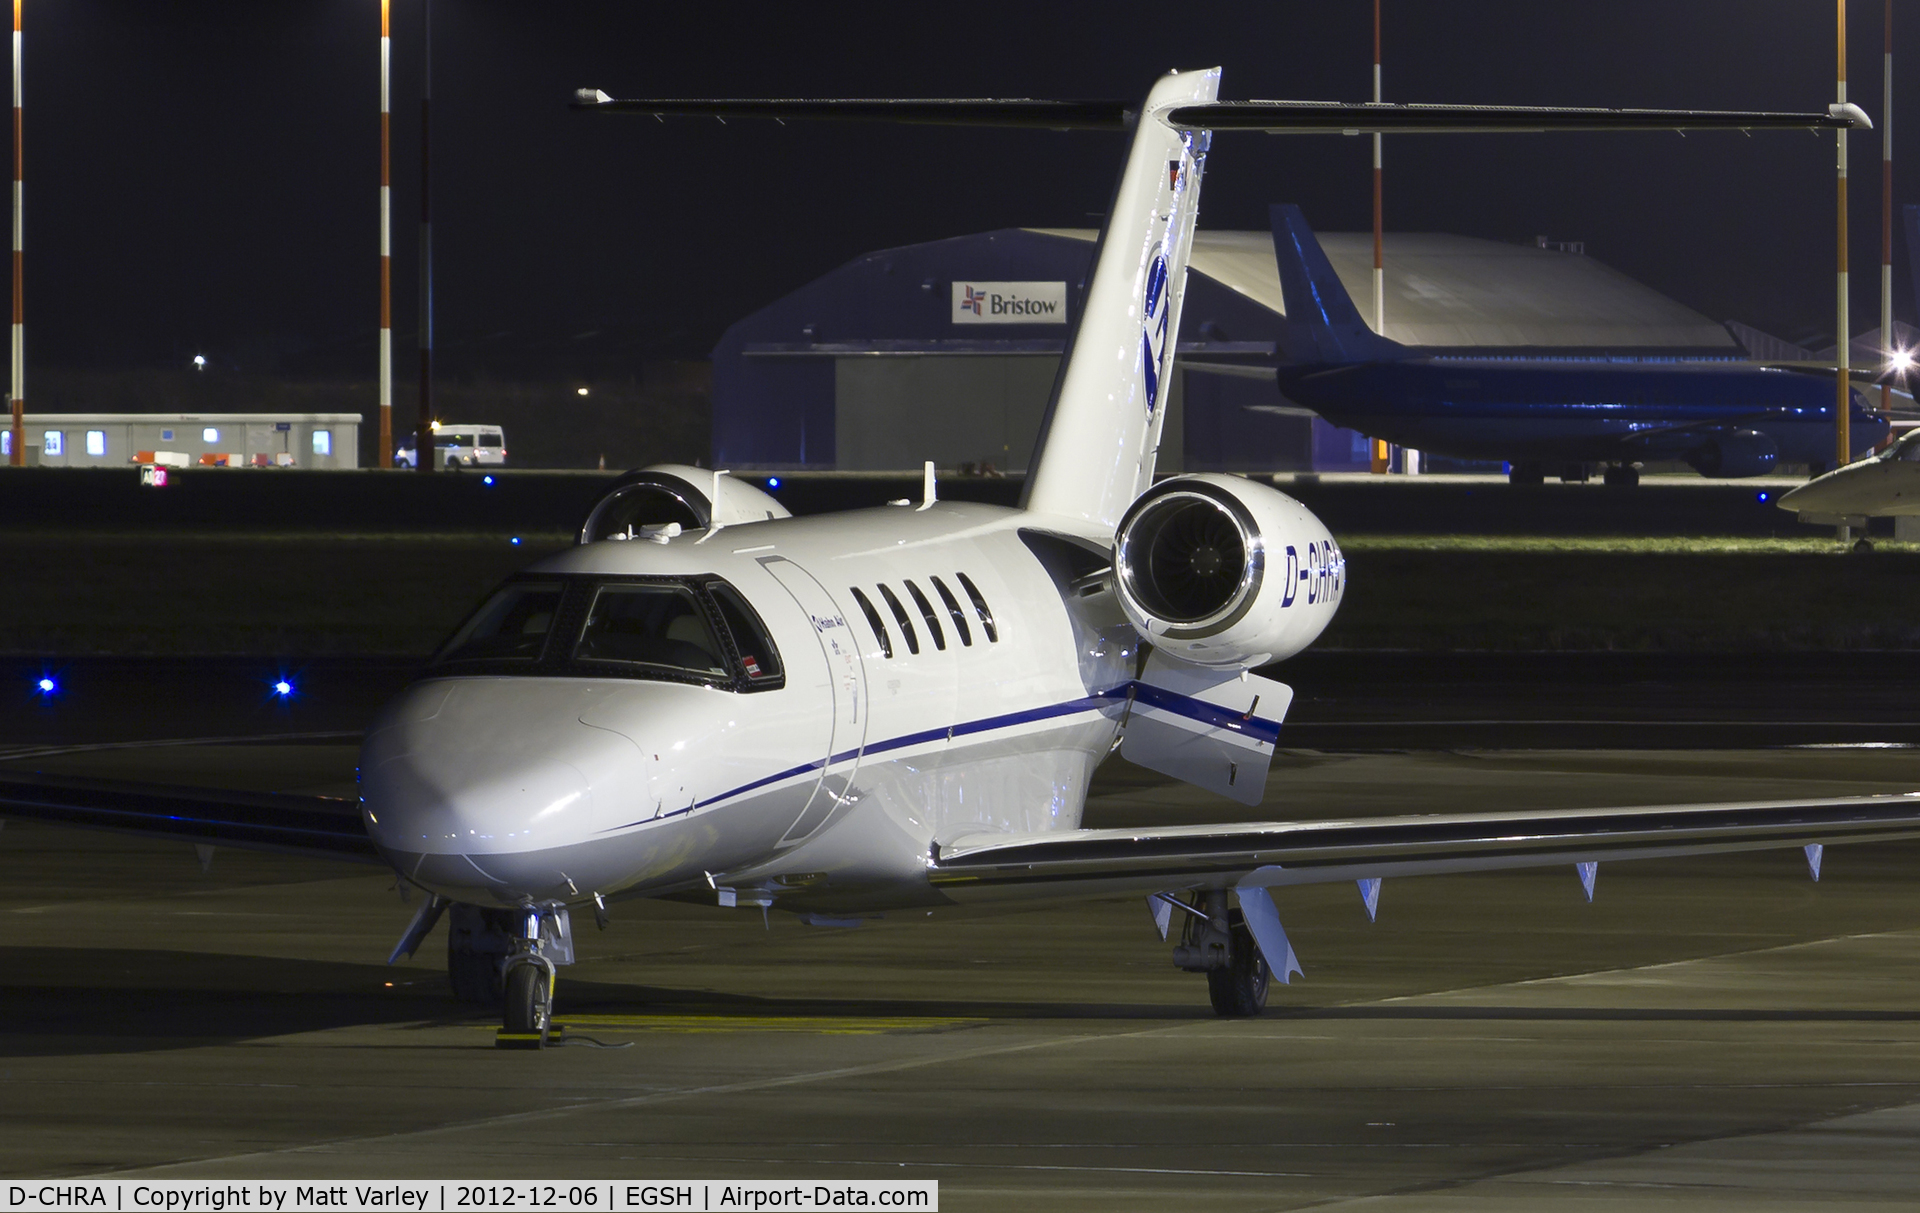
(325, 827)
(1264, 854)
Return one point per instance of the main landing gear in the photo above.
(1621, 475)
(509, 958)
(1216, 941)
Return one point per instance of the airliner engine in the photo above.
(1221, 571)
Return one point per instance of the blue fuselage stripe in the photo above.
(1255, 727)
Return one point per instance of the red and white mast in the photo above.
(1886, 205)
(1844, 339)
(385, 458)
(1382, 453)
(18, 392)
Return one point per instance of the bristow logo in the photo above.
(1153, 337)
(973, 300)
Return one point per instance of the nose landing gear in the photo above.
(542, 940)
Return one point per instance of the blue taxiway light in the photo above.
(283, 688)
(1763, 497)
(773, 482)
(486, 480)
(516, 541)
(46, 686)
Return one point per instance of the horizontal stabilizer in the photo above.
(1214, 729)
(1313, 852)
(1347, 118)
(1273, 117)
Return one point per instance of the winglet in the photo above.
(1853, 114)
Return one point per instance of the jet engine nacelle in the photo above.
(644, 501)
(1734, 454)
(1221, 571)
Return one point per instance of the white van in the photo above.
(457, 445)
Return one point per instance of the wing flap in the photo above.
(1211, 728)
(320, 826)
(1311, 852)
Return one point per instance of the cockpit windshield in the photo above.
(510, 626)
(693, 629)
(654, 625)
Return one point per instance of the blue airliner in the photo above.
(1546, 411)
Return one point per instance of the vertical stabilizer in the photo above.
(1322, 323)
(1102, 428)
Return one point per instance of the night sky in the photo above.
(202, 177)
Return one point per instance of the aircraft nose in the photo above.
(464, 783)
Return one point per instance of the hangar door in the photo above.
(895, 412)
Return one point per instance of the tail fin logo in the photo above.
(1153, 339)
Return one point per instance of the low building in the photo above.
(325, 441)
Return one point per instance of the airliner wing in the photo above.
(325, 827)
(1262, 854)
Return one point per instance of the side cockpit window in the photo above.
(758, 658)
(510, 626)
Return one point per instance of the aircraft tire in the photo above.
(526, 1002)
(1239, 991)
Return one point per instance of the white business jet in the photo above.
(1882, 485)
(901, 707)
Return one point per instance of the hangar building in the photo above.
(970, 331)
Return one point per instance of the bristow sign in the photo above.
(1009, 303)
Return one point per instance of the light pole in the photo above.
(386, 248)
(1844, 338)
(18, 392)
(423, 424)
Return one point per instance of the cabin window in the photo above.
(510, 626)
(652, 625)
(953, 609)
(758, 657)
(926, 613)
(900, 617)
(874, 621)
(980, 607)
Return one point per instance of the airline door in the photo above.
(847, 685)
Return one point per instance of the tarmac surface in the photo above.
(1718, 1033)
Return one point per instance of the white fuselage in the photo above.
(826, 793)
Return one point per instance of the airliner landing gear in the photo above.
(1216, 941)
(1621, 475)
(1526, 473)
(542, 940)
